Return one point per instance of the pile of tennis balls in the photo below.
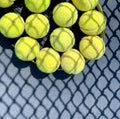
(61, 54)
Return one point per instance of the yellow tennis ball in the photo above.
(48, 60)
(92, 22)
(92, 47)
(11, 25)
(85, 5)
(6, 3)
(62, 39)
(26, 48)
(65, 14)
(72, 62)
(37, 6)
(37, 25)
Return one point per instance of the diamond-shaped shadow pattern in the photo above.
(25, 93)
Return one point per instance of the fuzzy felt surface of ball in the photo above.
(48, 60)
(92, 47)
(12, 25)
(72, 61)
(62, 39)
(26, 48)
(37, 6)
(92, 22)
(65, 14)
(6, 3)
(85, 5)
(37, 25)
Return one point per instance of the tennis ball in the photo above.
(65, 14)
(62, 39)
(6, 3)
(48, 60)
(85, 5)
(37, 6)
(26, 48)
(37, 25)
(11, 25)
(72, 62)
(92, 22)
(92, 47)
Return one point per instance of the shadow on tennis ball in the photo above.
(35, 72)
(5, 43)
(61, 75)
(19, 63)
(33, 69)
